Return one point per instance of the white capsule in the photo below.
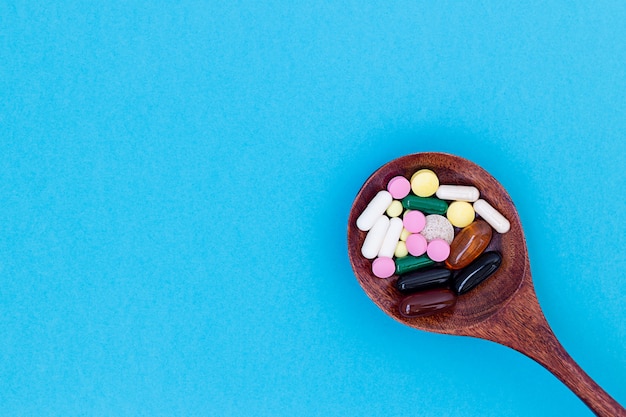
(374, 210)
(391, 238)
(458, 193)
(374, 238)
(492, 216)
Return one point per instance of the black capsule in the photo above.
(423, 279)
(476, 272)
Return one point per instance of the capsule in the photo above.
(492, 216)
(423, 279)
(392, 236)
(428, 205)
(374, 238)
(468, 244)
(374, 210)
(458, 193)
(427, 302)
(478, 271)
(412, 263)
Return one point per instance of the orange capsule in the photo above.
(468, 244)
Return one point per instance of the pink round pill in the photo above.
(414, 221)
(416, 244)
(383, 267)
(399, 187)
(438, 250)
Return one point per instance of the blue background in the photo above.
(176, 177)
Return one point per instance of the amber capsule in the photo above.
(427, 302)
(468, 244)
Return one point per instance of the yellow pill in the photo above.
(405, 233)
(460, 213)
(424, 183)
(401, 250)
(395, 209)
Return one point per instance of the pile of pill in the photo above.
(411, 233)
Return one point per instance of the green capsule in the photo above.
(428, 205)
(412, 263)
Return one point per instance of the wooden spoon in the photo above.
(504, 308)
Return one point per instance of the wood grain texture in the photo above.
(503, 309)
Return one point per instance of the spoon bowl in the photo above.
(504, 308)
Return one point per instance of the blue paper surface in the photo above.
(176, 177)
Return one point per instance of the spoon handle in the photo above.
(523, 327)
(550, 353)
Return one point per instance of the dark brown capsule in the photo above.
(427, 302)
(424, 279)
(478, 271)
